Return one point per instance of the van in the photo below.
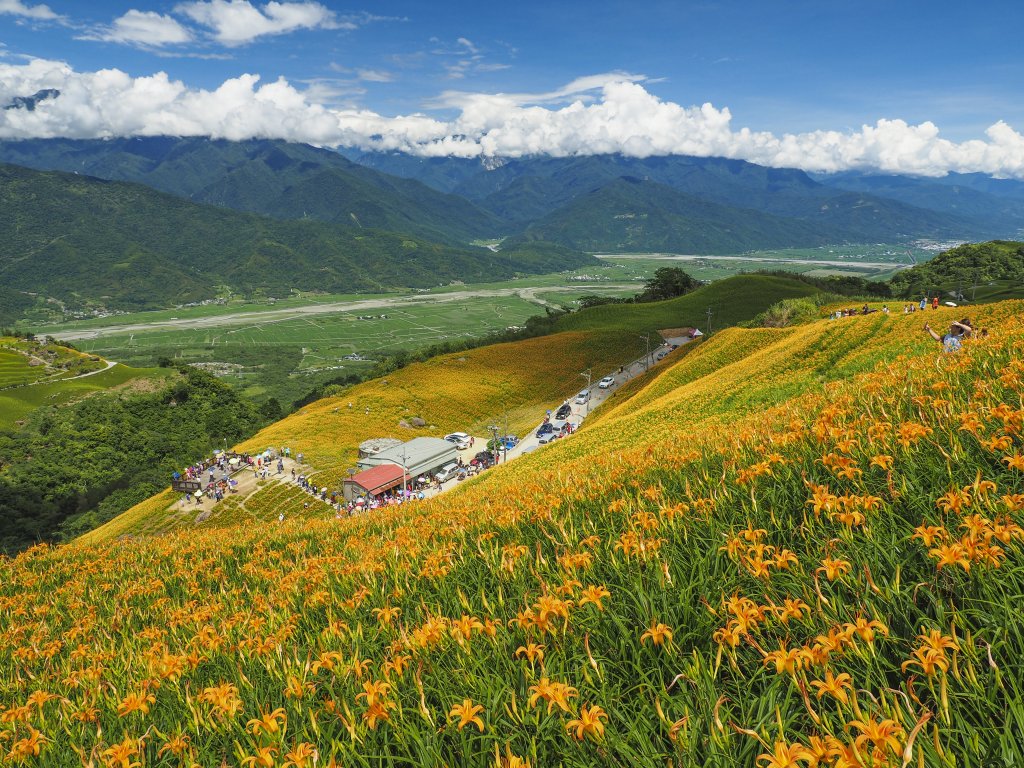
(447, 472)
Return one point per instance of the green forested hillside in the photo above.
(274, 178)
(83, 240)
(963, 267)
(98, 456)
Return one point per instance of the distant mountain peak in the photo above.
(492, 162)
(29, 102)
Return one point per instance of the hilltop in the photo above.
(801, 541)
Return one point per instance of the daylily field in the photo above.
(794, 547)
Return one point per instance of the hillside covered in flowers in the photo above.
(793, 547)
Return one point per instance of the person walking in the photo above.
(935, 302)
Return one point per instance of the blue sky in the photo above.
(777, 67)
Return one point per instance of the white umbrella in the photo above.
(233, 460)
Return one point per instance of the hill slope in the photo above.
(965, 267)
(704, 579)
(273, 178)
(83, 240)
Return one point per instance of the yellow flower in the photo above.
(264, 758)
(223, 699)
(302, 754)
(268, 722)
(554, 693)
(467, 712)
(386, 615)
(588, 723)
(833, 569)
(928, 660)
(884, 735)
(531, 651)
(834, 685)
(135, 702)
(951, 554)
(882, 461)
(594, 594)
(786, 661)
(785, 755)
(120, 755)
(659, 634)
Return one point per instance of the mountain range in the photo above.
(85, 241)
(852, 207)
(143, 222)
(457, 201)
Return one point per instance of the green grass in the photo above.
(731, 301)
(16, 404)
(15, 370)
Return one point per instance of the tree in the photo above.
(667, 283)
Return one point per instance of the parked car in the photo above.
(563, 411)
(544, 429)
(660, 355)
(484, 459)
(447, 472)
(583, 397)
(606, 382)
(548, 437)
(461, 440)
(560, 427)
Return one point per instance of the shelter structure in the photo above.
(373, 481)
(375, 445)
(419, 456)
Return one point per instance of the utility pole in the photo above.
(494, 429)
(586, 374)
(405, 473)
(647, 340)
(709, 313)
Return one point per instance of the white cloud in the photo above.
(375, 75)
(18, 8)
(594, 115)
(146, 28)
(237, 22)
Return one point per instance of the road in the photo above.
(767, 259)
(276, 315)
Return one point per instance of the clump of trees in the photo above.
(72, 468)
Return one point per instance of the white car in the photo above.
(583, 397)
(447, 472)
(606, 382)
(461, 440)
